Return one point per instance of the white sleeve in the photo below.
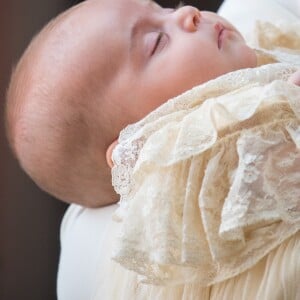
(83, 235)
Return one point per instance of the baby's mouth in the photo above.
(219, 27)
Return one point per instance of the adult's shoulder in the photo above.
(83, 235)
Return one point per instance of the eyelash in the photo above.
(157, 42)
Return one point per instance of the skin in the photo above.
(161, 53)
(155, 53)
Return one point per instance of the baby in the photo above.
(103, 65)
(95, 69)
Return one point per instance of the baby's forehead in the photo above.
(89, 40)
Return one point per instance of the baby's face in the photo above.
(156, 53)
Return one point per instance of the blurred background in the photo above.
(29, 218)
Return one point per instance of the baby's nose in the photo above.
(188, 18)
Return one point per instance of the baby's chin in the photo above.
(247, 59)
(252, 60)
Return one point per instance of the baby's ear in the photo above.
(109, 153)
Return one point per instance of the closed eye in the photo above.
(157, 43)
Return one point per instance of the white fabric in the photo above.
(83, 237)
(84, 234)
(244, 14)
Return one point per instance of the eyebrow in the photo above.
(136, 28)
(149, 2)
(134, 31)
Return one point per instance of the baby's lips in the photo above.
(219, 27)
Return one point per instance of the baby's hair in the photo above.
(20, 80)
(55, 126)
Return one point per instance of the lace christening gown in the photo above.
(210, 188)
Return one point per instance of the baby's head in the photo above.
(99, 67)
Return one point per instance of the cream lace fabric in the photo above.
(210, 181)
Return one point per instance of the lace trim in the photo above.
(209, 182)
(133, 137)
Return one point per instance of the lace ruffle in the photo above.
(209, 182)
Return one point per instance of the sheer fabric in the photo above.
(275, 277)
(215, 187)
(209, 183)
